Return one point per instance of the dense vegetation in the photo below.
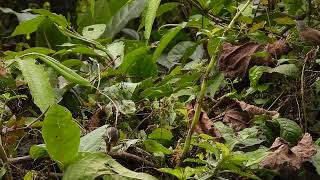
(151, 89)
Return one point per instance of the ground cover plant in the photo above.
(160, 89)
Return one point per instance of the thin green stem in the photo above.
(5, 161)
(204, 83)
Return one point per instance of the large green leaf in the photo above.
(129, 11)
(27, 27)
(150, 16)
(38, 82)
(61, 134)
(92, 165)
(164, 41)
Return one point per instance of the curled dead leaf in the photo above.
(239, 114)
(235, 61)
(284, 159)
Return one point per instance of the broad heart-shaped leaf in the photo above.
(91, 165)
(99, 12)
(150, 16)
(61, 134)
(129, 11)
(27, 27)
(164, 41)
(38, 82)
(93, 141)
(93, 31)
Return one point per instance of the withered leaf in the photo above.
(285, 159)
(235, 61)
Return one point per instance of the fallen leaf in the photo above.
(239, 114)
(284, 159)
(235, 61)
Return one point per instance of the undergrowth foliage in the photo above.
(159, 89)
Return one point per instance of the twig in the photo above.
(204, 84)
(20, 159)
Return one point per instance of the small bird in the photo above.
(308, 34)
(111, 137)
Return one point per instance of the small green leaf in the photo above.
(150, 16)
(61, 134)
(161, 135)
(27, 27)
(93, 31)
(155, 147)
(255, 74)
(38, 151)
(286, 69)
(38, 82)
(289, 130)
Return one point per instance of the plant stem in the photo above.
(5, 161)
(204, 83)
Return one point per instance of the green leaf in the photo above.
(289, 130)
(128, 12)
(63, 70)
(99, 12)
(255, 74)
(117, 50)
(286, 69)
(164, 41)
(27, 27)
(155, 147)
(93, 31)
(93, 141)
(161, 135)
(92, 165)
(48, 35)
(38, 82)
(38, 151)
(139, 64)
(150, 16)
(61, 134)
(58, 19)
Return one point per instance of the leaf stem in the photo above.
(205, 81)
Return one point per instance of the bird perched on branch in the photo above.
(111, 137)
(308, 34)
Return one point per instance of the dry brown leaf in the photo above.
(239, 114)
(286, 159)
(204, 125)
(97, 119)
(235, 61)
